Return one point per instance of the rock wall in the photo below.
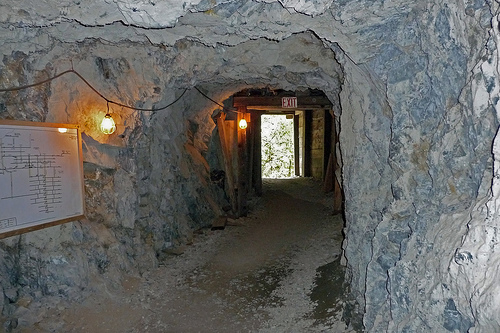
(426, 151)
(474, 268)
(146, 187)
(418, 117)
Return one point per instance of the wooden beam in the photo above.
(307, 149)
(250, 151)
(228, 165)
(328, 183)
(296, 145)
(257, 159)
(274, 102)
(241, 165)
(327, 140)
(338, 197)
(338, 204)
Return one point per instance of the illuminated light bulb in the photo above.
(108, 125)
(62, 130)
(243, 123)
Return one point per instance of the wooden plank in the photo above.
(219, 223)
(228, 165)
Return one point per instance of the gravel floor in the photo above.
(276, 270)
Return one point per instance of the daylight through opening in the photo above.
(277, 146)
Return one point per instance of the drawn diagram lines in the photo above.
(22, 161)
(41, 176)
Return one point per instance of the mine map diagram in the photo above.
(36, 180)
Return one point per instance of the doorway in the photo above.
(277, 146)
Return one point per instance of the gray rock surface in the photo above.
(418, 87)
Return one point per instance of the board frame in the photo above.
(55, 221)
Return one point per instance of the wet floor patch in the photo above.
(247, 292)
(329, 291)
(330, 296)
(258, 287)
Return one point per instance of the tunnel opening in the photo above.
(288, 134)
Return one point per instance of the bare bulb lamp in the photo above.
(243, 123)
(108, 125)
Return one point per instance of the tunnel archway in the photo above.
(314, 137)
(299, 63)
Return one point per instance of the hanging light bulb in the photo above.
(108, 125)
(243, 123)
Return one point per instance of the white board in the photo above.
(41, 176)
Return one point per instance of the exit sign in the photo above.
(289, 102)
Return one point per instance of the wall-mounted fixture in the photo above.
(243, 123)
(108, 125)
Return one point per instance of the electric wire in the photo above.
(36, 83)
(108, 101)
(222, 106)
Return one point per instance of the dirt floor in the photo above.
(276, 270)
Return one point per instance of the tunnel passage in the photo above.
(239, 147)
(419, 95)
(158, 162)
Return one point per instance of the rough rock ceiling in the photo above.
(140, 13)
(352, 24)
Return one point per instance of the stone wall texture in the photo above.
(417, 85)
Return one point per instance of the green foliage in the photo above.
(277, 147)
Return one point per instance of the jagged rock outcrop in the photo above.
(416, 89)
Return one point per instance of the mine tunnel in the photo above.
(120, 148)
